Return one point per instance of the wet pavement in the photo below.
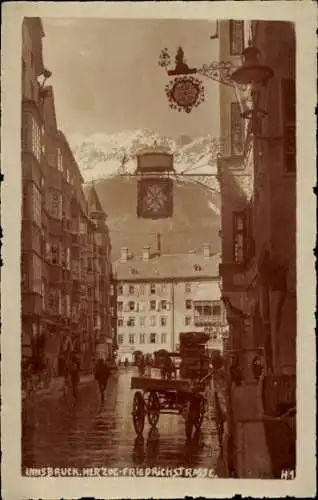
(62, 434)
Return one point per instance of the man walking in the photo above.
(102, 374)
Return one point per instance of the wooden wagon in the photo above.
(155, 396)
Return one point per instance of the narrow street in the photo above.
(88, 435)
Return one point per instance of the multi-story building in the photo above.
(34, 271)
(257, 175)
(99, 275)
(63, 234)
(160, 296)
(258, 190)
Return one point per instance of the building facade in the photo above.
(62, 233)
(257, 176)
(161, 296)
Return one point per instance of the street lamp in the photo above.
(255, 76)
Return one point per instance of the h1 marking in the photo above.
(287, 474)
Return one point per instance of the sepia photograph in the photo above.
(159, 280)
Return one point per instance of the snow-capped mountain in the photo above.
(196, 213)
(102, 155)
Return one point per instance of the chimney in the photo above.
(146, 253)
(123, 254)
(158, 244)
(207, 250)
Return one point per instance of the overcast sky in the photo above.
(106, 76)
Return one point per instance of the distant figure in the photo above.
(236, 372)
(148, 363)
(74, 373)
(257, 367)
(141, 366)
(126, 363)
(102, 374)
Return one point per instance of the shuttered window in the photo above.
(236, 37)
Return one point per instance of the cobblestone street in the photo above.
(60, 434)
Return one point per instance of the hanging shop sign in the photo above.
(155, 198)
(185, 93)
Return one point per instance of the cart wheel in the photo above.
(153, 408)
(200, 415)
(138, 412)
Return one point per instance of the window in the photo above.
(131, 289)
(131, 321)
(163, 305)
(68, 305)
(187, 288)
(216, 310)
(289, 123)
(36, 139)
(131, 338)
(152, 305)
(236, 37)
(152, 320)
(142, 289)
(68, 258)
(119, 306)
(36, 205)
(111, 290)
(120, 290)
(142, 321)
(163, 321)
(152, 289)
(120, 322)
(142, 338)
(188, 304)
(67, 175)
(237, 131)
(59, 160)
(152, 338)
(238, 236)
(163, 338)
(55, 204)
(131, 305)
(43, 291)
(37, 275)
(187, 320)
(55, 253)
(120, 339)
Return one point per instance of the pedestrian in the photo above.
(126, 363)
(141, 366)
(102, 374)
(74, 373)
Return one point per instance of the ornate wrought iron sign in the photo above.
(185, 93)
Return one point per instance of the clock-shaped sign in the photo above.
(155, 198)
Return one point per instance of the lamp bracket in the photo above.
(220, 71)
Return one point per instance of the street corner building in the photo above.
(162, 295)
(65, 255)
(257, 175)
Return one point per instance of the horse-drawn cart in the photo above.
(155, 396)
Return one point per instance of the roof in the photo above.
(167, 267)
(93, 201)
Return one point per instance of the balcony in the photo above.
(203, 320)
